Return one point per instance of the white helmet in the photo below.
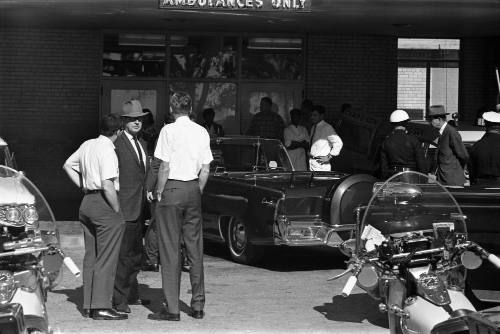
(399, 116)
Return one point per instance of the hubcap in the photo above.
(238, 237)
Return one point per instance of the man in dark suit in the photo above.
(133, 164)
(451, 152)
(485, 154)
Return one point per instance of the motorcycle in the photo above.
(30, 255)
(411, 251)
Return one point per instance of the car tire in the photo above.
(240, 248)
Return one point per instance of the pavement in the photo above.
(287, 293)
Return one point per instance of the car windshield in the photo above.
(411, 202)
(236, 155)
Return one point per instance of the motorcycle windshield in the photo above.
(22, 205)
(409, 203)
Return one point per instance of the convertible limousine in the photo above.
(254, 198)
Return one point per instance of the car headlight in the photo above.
(7, 286)
(13, 215)
(30, 215)
(18, 215)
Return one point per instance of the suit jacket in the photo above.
(451, 158)
(132, 176)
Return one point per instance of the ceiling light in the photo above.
(141, 39)
(275, 43)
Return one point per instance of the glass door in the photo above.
(284, 97)
(151, 94)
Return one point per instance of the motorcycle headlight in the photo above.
(30, 215)
(7, 286)
(13, 215)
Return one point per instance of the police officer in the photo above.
(485, 154)
(401, 151)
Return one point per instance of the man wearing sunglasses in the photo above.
(133, 164)
(451, 152)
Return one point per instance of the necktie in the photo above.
(139, 152)
(313, 133)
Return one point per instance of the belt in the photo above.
(93, 191)
(401, 169)
(183, 180)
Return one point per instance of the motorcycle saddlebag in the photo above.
(484, 322)
(12, 319)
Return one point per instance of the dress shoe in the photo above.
(164, 315)
(140, 301)
(198, 314)
(86, 312)
(151, 267)
(122, 308)
(107, 314)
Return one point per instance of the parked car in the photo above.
(254, 198)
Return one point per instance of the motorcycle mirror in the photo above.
(470, 260)
(348, 247)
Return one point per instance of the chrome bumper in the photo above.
(12, 319)
(308, 233)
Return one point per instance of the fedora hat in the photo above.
(492, 117)
(132, 108)
(437, 110)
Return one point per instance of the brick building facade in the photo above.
(50, 91)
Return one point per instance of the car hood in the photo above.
(12, 191)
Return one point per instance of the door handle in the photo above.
(266, 202)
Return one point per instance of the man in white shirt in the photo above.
(296, 141)
(325, 143)
(184, 150)
(94, 169)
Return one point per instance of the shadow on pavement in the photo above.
(74, 296)
(355, 308)
(287, 259)
(157, 299)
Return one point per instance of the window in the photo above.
(272, 58)
(428, 74)
(203, 56)
(133, 55)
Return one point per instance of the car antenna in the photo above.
(311, 178)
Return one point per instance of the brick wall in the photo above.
(478, 85)
(49, 103)
(358, 70)
(412, 90)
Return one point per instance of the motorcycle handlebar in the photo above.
(71, 266)
(494, 260)
(349, 285)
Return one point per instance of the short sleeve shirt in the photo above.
(96, 160)
(185, 145)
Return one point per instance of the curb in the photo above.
(70, 233)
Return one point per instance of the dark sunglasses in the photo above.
(133, 119)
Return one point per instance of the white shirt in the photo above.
(298, 155)
(441, 130)
(325, 141)
(185, 145)
(96, 160)
(131, 138)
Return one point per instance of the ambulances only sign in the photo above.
(258, 5)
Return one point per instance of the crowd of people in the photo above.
(130, 167)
